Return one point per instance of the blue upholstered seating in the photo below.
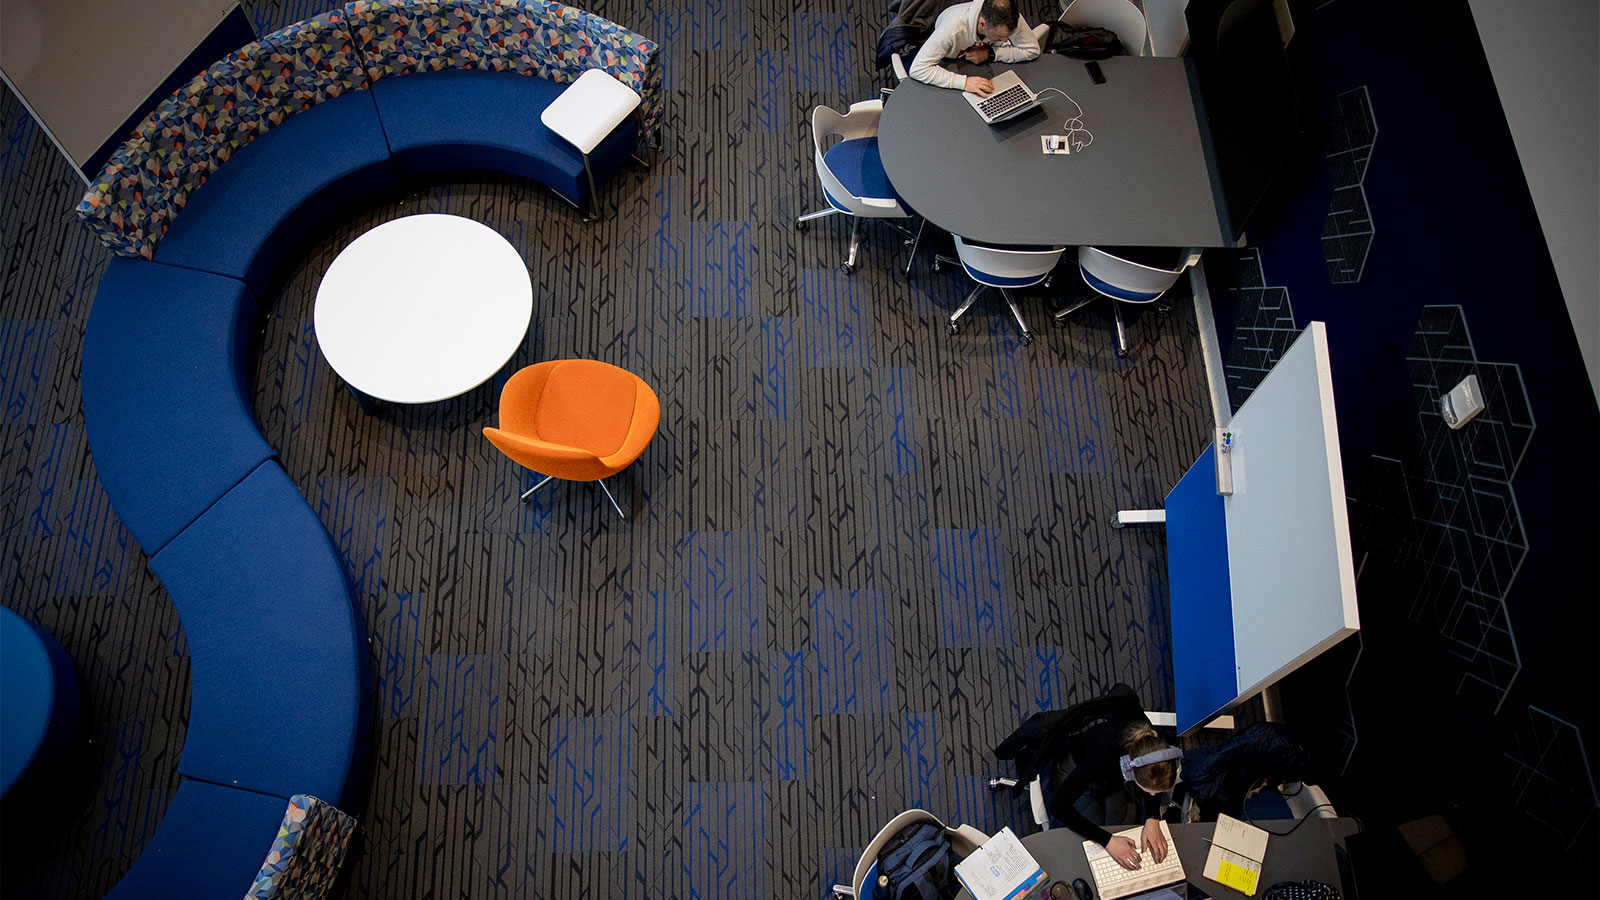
(859, 167)
(275, 645)
(165, 400)
(470, 119)
(209, 843)
(248, 216)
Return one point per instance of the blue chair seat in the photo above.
(1111, 290)
(859, 167)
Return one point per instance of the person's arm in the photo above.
(1061, 806)
(1150, 814)
(1022, 46)
(926, 66)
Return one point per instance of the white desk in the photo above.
(423, 308)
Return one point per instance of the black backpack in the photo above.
(919, 864)
(1082, 43)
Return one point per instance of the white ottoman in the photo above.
(586, 112)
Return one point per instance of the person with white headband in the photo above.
(1106, 761)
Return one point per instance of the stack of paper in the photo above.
(1237, 851)
(1001, 869)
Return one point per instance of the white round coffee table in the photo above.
(423, 308)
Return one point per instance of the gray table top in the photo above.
(1307, 853)
(1146, 180)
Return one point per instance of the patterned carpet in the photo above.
(864, 549)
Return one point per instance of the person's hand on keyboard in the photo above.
(977, 84)
(1153, 840)
(1124, 852)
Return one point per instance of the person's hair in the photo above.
(1140, 739)
(1000, 12)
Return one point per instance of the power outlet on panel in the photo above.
(1464, 401)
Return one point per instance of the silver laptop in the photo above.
(1113, 882)
(1011, 98)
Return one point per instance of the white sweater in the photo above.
(955, 31)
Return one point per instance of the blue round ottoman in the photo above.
(38, 698)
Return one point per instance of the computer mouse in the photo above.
(1082, 889)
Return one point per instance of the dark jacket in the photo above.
(909, 28)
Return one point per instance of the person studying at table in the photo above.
(978, 31)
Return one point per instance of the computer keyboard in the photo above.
(1003, 102)
(1115, 881)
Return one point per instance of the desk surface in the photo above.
(1308, 853)
(1146, 180)
(423, 308)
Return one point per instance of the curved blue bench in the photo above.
(254, 154)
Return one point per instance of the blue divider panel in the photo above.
(1203, 667)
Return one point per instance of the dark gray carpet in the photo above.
(864, 551)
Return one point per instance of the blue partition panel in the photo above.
(1203, 667)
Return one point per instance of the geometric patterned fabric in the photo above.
(176, 148)
(305, 857)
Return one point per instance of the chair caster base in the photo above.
(848, 269)
(802, 226)
(1025, 338)
(1122, 354)
(938, 265)
(952, 328)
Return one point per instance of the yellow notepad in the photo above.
(1237, 851)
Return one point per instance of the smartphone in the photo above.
(1095, 74)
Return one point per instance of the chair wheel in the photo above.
(1122, 354)
(1025, 339)
(1163, 311)
(848, 269)
(801, 226)
(1058, 322)
(938, 265)
(952, 328)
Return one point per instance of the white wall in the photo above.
(1545, 58)
(84, 66)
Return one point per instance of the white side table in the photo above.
(589, 109)
(423, 308)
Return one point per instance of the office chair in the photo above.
(1120, 16)
(1002, 268)
(575, 419)
(964, 839)
(1046, 737)
(1125, 280)
(853, 179)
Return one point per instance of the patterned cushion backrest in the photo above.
(189, 134)
(177, 147)
(305, 857)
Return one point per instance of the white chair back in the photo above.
(1130, 276)
(860, 122)
(1003, 267)
(1120, 16)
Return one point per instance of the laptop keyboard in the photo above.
(1115, 881)
(1003, 102)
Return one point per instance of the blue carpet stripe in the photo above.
(921, 745)
(400, 635)
(773, 111)
(589, 793)
(824, 52)
(900, 407)
(115, 832)
(27, 348)
(356, 513)
(836, 329)
(662, 650)
(723, 608)
(460, 723)
(778, 361)
(790, 715)
(725, 840)
(1071, 404)
(95, 553)
(50, 459)
(718, 274)
(850, 641)
(974, 589)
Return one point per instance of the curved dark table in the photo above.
(1148, 178)
(1311, 852)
